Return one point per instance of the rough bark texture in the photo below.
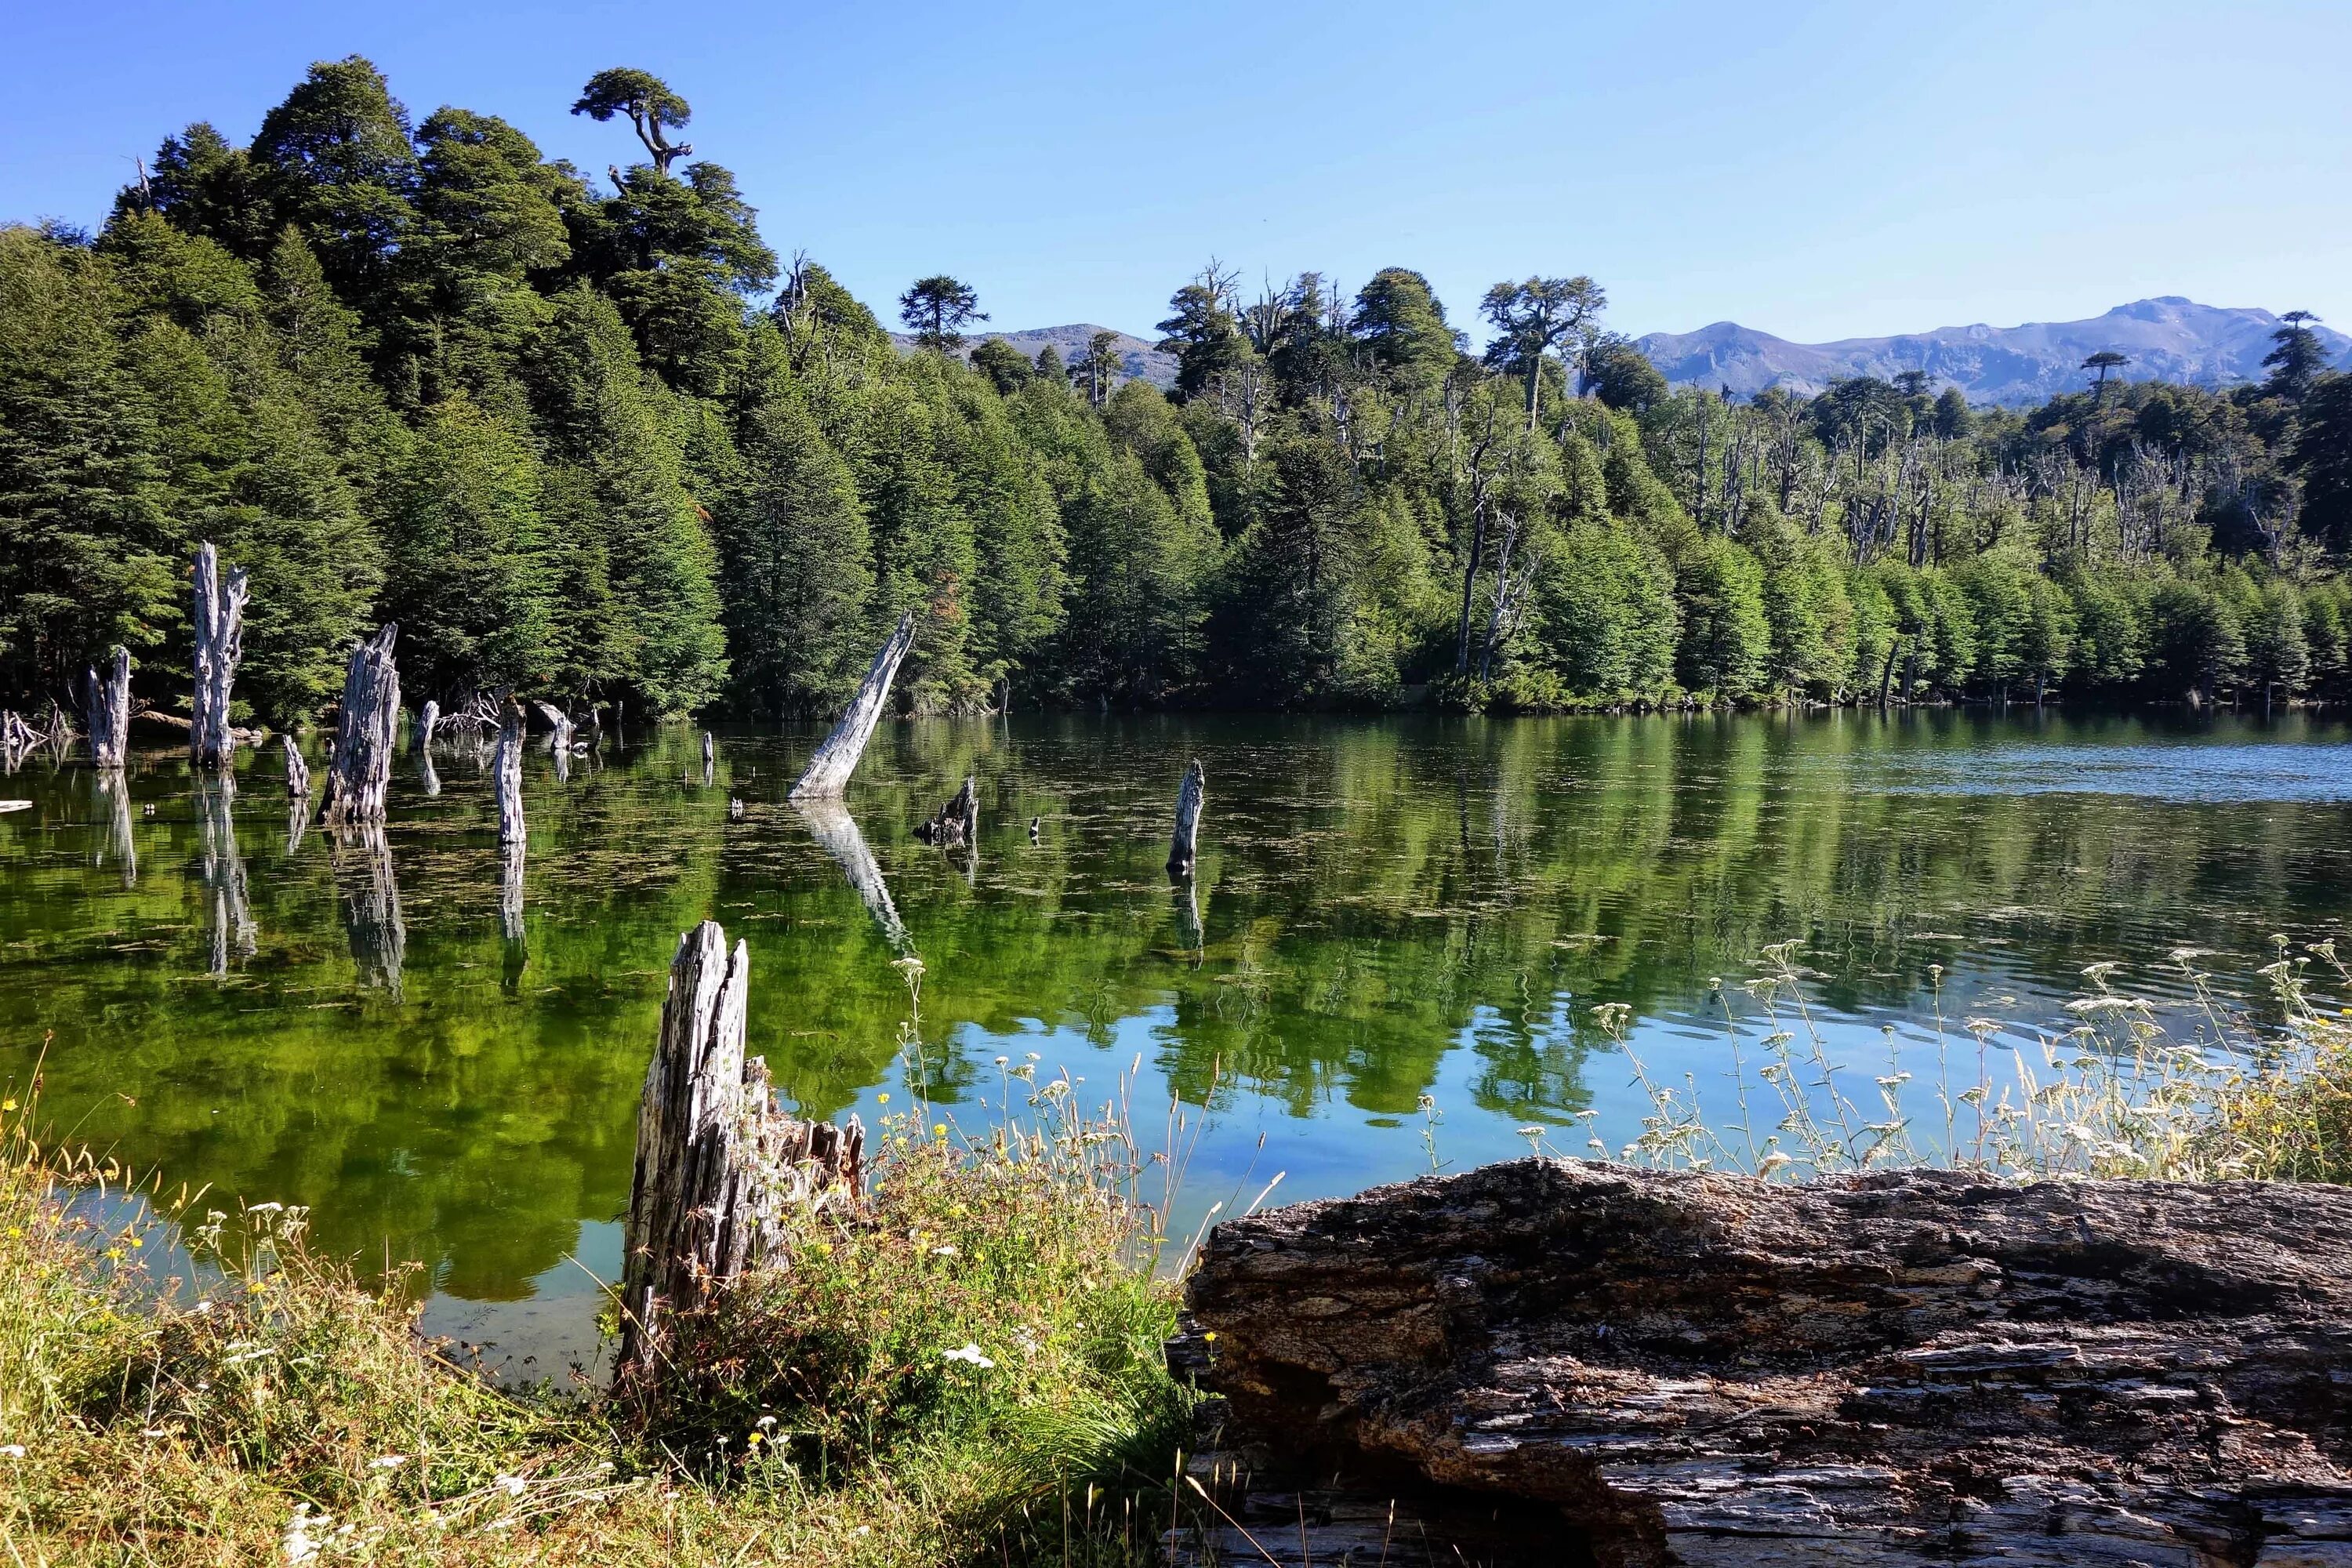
(427, 722)
(1550, 1361)
(828, 771)
(506, 772)
(1190, 795)
(106, 704)
(297, 771)
(220, 646)
(717, 1164)
(362, 769)
(956, 824)
(836, 832)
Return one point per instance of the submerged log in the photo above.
(106, 710)
(1550, 1361)
(956, 824)
(506, 772)
(717, 1164)
(828, 771)
(836, 832)
(1189, 797)
(298, 772)
(220, 647)
(362, 761)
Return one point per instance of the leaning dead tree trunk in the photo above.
(559, 724)
(220, 646)
(1190, 795)
(106, 710)
(957, 823)
(717, 1164)
(362, 771)
(1549, 1361)
(505, 773)
(829, 770)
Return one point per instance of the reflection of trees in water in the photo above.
(232, 935)
(371, 906)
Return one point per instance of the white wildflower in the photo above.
(511, 1485)
(387, 1461)
(969, 1351)
(12, 1450)
(299, 1546)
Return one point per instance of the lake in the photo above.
(1400, 931)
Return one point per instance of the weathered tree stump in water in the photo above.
(426, 723)
(717, 1165)
(1555, 1361)
(1190, 795)
(106, 710)
(360, 763)
(828, 771)
(559, 724)
(506, 772)
(298, 772)
(956, 824)
(220, 647)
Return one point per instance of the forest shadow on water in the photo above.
(1392, 954)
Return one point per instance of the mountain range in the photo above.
(1136, 355)
(2168, 339)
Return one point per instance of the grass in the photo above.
(968, 1368)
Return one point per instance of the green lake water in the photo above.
(1385, 910)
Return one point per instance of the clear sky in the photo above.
(1816, 171)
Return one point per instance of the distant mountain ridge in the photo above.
(1141, 360)
(2168, 339)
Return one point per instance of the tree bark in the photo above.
(506, 772)
(956, 824)
(426, 723)
(1553, 1361)
(220, 647)
(828, 771)
(361, 767)
(717, 1164)
(106, 706)
(298, 772)
(1190, 796)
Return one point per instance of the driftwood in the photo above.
(106, 708)
(362, 761)
(836, 832)
(1190, 795)
(505, 773)
(717, 1164)
(828, 771)
(220, 646)
(1554, 1362)
(371, 920)
(298, 772)
(956, 824)
(232, 927)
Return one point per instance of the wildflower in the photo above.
(967, 1351)
(8, 1105)
(881, 1099)
(938, 1128)
(765, 1421)
(752, 1439)
(1773, 1162)
(151, 1432)
(387, 1461)
(949, 1251)
(300, 1546)
(266, 1208)
(1209, 1338)
(511, 1485)
(12, 1450)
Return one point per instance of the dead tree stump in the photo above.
(956, 824)
(426, 723)
(1190, 796)
(298, 772)
(506, 772)
(718, 1165)
(828, 771)
(220, 647)
(106, 708)
(362, 769)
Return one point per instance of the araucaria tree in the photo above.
(937, 309)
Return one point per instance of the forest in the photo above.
(600, 441)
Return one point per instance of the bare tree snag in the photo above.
(361, 766)
(506, 772)
(231, 914)
(559, 724)
(220, 646)
(426, 723)
(717, 1164)
(836, 832)
(106, 708)
(829, 770)
(1189, 797)
(298, 772)
(956, 824)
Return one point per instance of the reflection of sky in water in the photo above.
(2211, 773)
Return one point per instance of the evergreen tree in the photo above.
(795, 549)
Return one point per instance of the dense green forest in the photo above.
(600, 441)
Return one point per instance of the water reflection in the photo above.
(232, 927)
(836, 832)
(379, 939)
(113, 844)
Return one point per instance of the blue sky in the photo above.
(1812, 170)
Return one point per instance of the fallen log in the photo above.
(828, 771)
(955, 825)
(717, 1163)
(1556, 1362)
(360, 763)
(1190, 795)
(106, 708)
(220, 647)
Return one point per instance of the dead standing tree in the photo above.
(362, 771)
(828, 771)
(718, 1166)
(1190, 796)
(220, 647)
(506, 776)
(106, 712)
